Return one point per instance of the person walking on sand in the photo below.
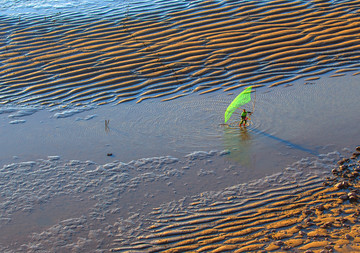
(244, 117)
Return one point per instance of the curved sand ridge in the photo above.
(299, 215)
(54, 205)
(208, 46)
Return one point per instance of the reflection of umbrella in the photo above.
(243, 98)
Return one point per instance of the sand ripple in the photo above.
(309, 215)
(202, 47)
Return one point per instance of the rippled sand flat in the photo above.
(173, 50)
(166, 50)
(149, 205)
(300, 213)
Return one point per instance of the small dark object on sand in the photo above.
(109, 154)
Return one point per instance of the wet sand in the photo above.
(71, 58)
(149, 205)
(297, 211)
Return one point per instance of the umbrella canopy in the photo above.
(243, 98)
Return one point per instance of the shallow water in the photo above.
(288, 123)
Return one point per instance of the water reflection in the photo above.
(238, 140)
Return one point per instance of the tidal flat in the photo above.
(112, 134)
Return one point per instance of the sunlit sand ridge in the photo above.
(212, 45)
(309, 215)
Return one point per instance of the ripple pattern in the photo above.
(204, 46)
(289, 218)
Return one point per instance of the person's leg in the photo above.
(245, 120)
(242, 120)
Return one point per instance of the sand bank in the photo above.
(134, 53)
(300, 212)
(163, 204)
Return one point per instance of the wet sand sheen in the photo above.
(205, 48)
(308, 214)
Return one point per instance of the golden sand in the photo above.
(321, 215)
(203, 49)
